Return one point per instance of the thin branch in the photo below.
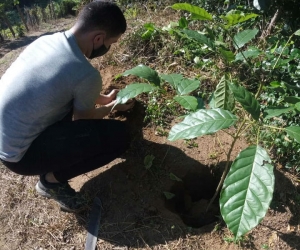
(227, 164)
(267, 32)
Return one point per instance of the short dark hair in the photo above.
(103, 15)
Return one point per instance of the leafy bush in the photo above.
(248, 184)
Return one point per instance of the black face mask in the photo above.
(99, 52)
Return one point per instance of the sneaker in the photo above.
(68, 199)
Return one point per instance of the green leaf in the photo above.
(144, 72)
(132, 90)
(201, 104)
(292, 99)
(173, 177)
(233, 19)
(247, 190)
(183, 23)
(251, 53)
(185, 86)
(173, 79)
(169, 195)
(202, 122)
(199, 38)
(148, 161)
(188, 102)
(197, 13)
(275, 84)
(289, 86)
(181, 85)
(227, 54)
(276, 111)
(297, 33)
(294, 132)
(246, 99)
(223, 95)
(149, 26)
(297, 106)
(244, 37)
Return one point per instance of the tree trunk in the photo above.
(7, 22)
(22, 17)
(28, 17)
(53, 9)
(50, 9)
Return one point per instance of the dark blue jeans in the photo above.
(71, 148)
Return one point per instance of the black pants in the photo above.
(71, 148)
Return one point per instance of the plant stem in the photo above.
(281, 52)
(268, 126)
(236, 136)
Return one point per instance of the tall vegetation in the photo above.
(18, 16)
(269, 93)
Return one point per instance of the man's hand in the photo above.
(122, 107)
(107, 99)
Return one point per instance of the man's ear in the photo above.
(100, 37)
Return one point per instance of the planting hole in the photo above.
(191, 197)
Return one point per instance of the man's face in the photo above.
(102, 43)
(110, 40)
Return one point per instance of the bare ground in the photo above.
(135, 213)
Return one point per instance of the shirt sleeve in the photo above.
(87, 92)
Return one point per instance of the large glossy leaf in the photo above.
(223, 95)
(241, 38)
(201, 123)
(297, 33)
(276, 111)
(188, 102)
(294, 132)
(173, 79)
(199, 38)
(251, 53)
(247, 190)
(133, 90)
(246, 99)
(182, 85)
(292, 99)
(233, 18)
(144, 72)
(197, 13)
(186, 86)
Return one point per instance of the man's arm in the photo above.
(106, 99)
(101, 112)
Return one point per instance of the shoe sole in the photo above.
(63, 208)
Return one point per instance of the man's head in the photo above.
(102, 22)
